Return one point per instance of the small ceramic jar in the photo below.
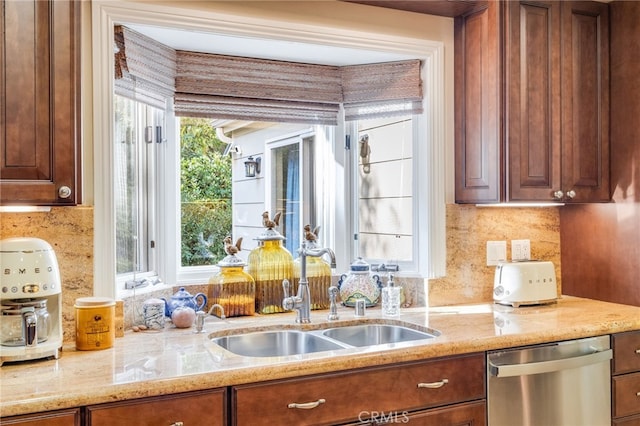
(359, 284)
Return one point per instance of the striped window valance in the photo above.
(145, 69)
(239, 88)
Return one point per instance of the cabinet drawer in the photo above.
(627, 421)
(626, 395)
(52, 418)
(626, 352)
(188, 409)
(342, 397)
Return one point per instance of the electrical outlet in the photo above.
(520, 250)
(496, 252)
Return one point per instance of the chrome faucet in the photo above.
(302, 301)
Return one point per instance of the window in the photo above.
(135, 126)
(338, 214)
(292, 187)
(386, 191)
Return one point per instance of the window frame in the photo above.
(106, 14)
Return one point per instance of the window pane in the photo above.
(285, 189)
(127, 187)
(205, 192)
(385, 187)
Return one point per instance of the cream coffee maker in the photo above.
(30, 300)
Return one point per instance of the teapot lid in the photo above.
(181, 294)
(231, 260)
(359, 265)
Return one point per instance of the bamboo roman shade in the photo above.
(378, 90)
(238, 88)
(256, 89)
(144, 68)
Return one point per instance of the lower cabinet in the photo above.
(186, 409)
(625, 386)
(427, 392)
(52, 418)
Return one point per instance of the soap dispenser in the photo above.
(391, 299)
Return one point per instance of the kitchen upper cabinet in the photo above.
(532, 102)
(40, 112)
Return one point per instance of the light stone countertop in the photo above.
(178, 360)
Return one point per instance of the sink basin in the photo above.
(275, 343)
(375, 334)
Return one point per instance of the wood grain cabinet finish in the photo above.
(626, 378)
(532, 102)
(40, 112)
(355, 396)
(187, 409)
(53, 418)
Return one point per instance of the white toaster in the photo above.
(525, 283)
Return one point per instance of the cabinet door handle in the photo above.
(637, 351)
(434, 385)
(177, 424)
(307, 405)
(571, 194)
(558, 195)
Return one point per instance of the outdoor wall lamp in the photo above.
(252, 167)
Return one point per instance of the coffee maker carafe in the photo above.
(30, 300)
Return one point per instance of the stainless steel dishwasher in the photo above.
(560, 384)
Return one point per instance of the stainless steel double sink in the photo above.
(286, 342)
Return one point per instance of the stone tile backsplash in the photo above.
(69, 230)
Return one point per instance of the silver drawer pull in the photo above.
(638, 351)
(434, 385)
(307, 405)
(177, 424)
(637, 393)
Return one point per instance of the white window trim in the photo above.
(105, 14)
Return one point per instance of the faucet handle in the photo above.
(333, 307)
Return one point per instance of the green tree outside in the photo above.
(205, 187)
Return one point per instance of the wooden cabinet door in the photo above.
(478, 83)
(532, 81)
(342, 397)
(585, 101)
(40, 112)
(188, 409)
(53, 418)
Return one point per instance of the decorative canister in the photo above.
(233, 288)
(153, 313)
(318, 272)
(95, 327)
(269, 264)
(359, 284)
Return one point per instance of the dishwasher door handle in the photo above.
(512, 370)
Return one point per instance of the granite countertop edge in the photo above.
(151, 364)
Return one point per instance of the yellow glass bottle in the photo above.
(269, 264)
(232, 288)
(318, 276)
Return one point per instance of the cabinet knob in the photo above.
(177, 424)
(558, 195)
(64, 192)
(571, 193)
